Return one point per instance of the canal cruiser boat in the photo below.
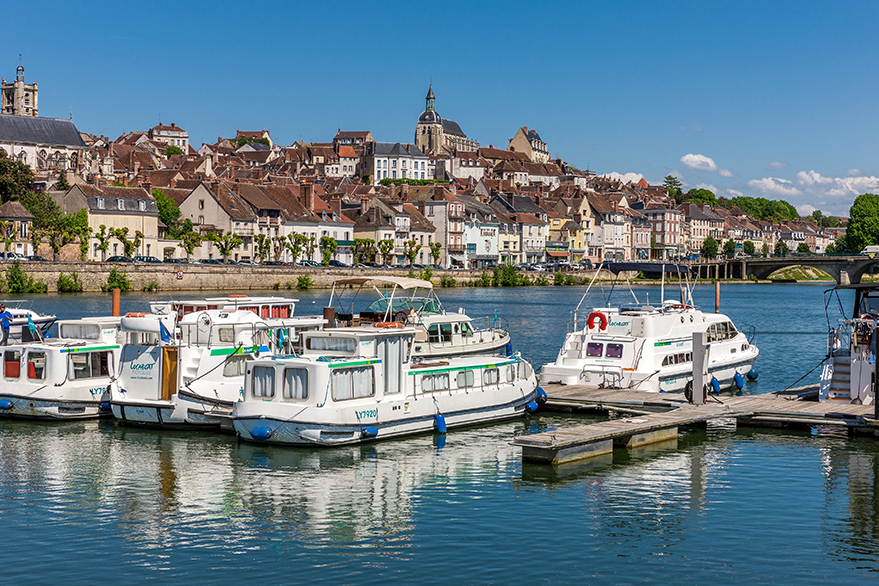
(412, 302)
(264, 306)
(27, 325)
(187, 373)
(849, 369)
(358, 384)
(646, 347)
(65, 377)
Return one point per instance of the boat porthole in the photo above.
(691, 318)
(682, 319)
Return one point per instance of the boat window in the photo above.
(12, 363)
(263, 381)
(466, 330)
(88, 365)
(594, 349)
(465, 379)
(331, 344)
(226, 335)
(435, 382)
(352, 383)
(614, 351)
(36, 365)
(433, 335)
(262, 338)
(511, 373)
(295, 383)
(445, 332)
(490, 376)
(79, 331)
(236, 365)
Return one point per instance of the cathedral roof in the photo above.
(30, 129)
(430, 117)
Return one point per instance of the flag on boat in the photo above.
(164, 333)
(31, 325)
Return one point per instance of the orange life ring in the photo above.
(136, 314)
(236, 296)
(601, 318)
(391, 325)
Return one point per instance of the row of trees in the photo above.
(710, 248)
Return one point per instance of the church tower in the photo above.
(429, 130)
(18, 98)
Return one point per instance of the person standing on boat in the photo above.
(5, 321)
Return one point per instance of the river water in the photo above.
(92, 502)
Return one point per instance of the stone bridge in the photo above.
(844, 269)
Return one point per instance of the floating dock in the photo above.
(655, 417)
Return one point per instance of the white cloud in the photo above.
(734, 193)
(805, 209)
(699, 162)
(777, 165)
(775, 187)
(725, 172)
(625, 177)
(837, 187)
(853, 172)
(707, 186)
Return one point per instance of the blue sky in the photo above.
(765, 99)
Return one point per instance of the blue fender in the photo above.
(532, 407)
(439, 423)
(542, 397)
(6, 404)
(261, 433)
(715, 384)
(368, 432)
(753, 374)
(740, 382)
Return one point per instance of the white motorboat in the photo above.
(187, 374)
(25, 317)
(849, 372)
(648, 348)
(65, 377)
(359, 384)
(412, 302)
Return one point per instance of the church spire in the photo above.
(431, 101)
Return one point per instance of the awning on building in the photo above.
(558, 253)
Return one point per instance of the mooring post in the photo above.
(330, 316)
(716, 296)
(700, 366)
(117, 295)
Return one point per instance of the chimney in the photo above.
(148, 186)
(364, 205)
(510, 199)
(404, 191)
(172, 125)
(215, 187)
(307, 192)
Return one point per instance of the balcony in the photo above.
(456, 248)
(244, 231)
(269, 220)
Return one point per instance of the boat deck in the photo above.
(655, 417)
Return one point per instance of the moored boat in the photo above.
(27, 325)
(646, 347)
(358, 384)
(849, 371)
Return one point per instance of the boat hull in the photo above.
(29, 407)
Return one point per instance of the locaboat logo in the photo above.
(145, 366)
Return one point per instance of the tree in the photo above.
(103, 238)
(831, 248)
(296, 245)
(863, 227)
(62, 184)
(672, 186)
(261, 246)
(803, 248)
(385, 248)
(435, 248)
(84, 233)
(411, 248)
(729, 247)
(781, 248)
(16, 179)
(169, 213)
(364, 250)
(309, 247)
(748, 247)
(765, 249)
(57, 240)
(189, 241)
(279, 243)
(36, 237)
(328, 248)
(172, 150)
(709, 247)
(44, 209)
(8, 231)
(226, 243)
(121, 234)
(701, 196)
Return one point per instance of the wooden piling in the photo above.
(117, 298)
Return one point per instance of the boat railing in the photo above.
(849, 331)
(488, 324)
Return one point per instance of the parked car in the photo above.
(373, 265)
(308, 263)
(338, 263)
(248, 262)
(37, 257)
(176, 260)
(693, 256)
(120, 259)
(12, 256)
(276, 263)
(585, 264)
(416, 265)
(146, 259)
(210, 261)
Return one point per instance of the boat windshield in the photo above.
(421, 305)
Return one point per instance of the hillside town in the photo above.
(441, 199)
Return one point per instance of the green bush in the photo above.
(69, 283)
(288, 285)
(484, 280)
(304, 282)
(18, 281)
(426, 274)
(117, 280)
(447, 281)
(559, 279)
(276, 285)
(153, 286)
(570, 280)
(541, 281)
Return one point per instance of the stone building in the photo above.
(18, 98)
(44, 144)
(436, 135)
(529, 142)
(170, 135)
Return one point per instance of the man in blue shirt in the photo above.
(5, 321)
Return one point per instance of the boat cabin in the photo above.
(266, 307)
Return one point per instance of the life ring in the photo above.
(391, 325)
(236, 296)
(601, 318)
(136, 314)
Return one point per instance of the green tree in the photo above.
(172, 150)
(328, 248)
(411, 248)
(748, 247)
(103, 238)
(709, 247)
(364, 250)
(435, 248)
(226, 243)
(169, 213)
(831, 248)
(16, 179)
(62, 184)
(765, 249)
(279, 243)
(781, 248)
(44, 209)
(672, 187)
(729, 247)
(386, 248)
(863, 225)
(83, 233)
(261, 246)
(309, 246)
(128, 246)
(189, 241)
(7, 229)
(296, 245)
(58, 239)
(36, 237)
(701, 196)
(803, 248)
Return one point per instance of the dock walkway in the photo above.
(655, 417)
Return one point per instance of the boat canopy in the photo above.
(647, 267)
(403, 282)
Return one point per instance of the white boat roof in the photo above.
(404, 282)
(111, 320)
(242, 299)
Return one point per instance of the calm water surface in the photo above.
(89, 502)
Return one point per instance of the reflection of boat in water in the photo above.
(646, 347)
(850, 370)
(191, 377)
(361, 383)
(65, 377)
(413, 302)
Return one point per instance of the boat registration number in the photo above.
(366, 413)
(97, 391)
